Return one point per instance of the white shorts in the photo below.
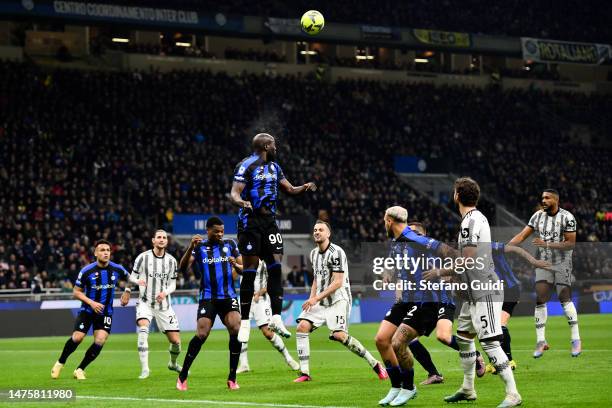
(335, 316)
(166, 319)
(562, 275)
(261, 311)
(482, 318)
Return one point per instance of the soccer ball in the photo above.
(312, 22)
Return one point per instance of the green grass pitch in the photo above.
(341, 379)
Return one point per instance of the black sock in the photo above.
(192, 352)
(234, 348)
(69, 348)
(90, 355)
(247, 288)
(407, 378)
(423, 357)
(505, 344)
(275, 288)
(394, 375)
(453, 344)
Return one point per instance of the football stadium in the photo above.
(305, 203)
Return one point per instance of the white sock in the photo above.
(356, 347)
(541, 315)
(175, 350)
(499, 359)
(467, 353)
(278, 344)
(244, 359)
(143, 347)
(303, 350)
(572, 319)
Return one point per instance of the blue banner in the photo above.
(96, 12)
(189, 224)
(409, 164)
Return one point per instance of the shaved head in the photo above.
(261, 140)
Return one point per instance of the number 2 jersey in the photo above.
(99, 283)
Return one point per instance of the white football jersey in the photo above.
(324, 264)
(157, 272)
(475, 232)
(551, 229)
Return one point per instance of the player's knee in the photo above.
(397, 342)
(338, 336)
(268, 334)
(303, 327)
(443, 338)
(382, 341)
(78, 337)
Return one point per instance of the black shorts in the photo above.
(446, 311)
(422, 317)
(260, 237)
(210, 308)
(396, 314)
(85, 320)
(511, 299)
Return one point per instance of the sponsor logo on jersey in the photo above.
(269, 176)
(216, 259)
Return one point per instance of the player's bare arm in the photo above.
(80, 295)
(237, 264)
(567, 245)
(187, 258)
(447, 251)
(235, 196)
(338, 278)
(521, 236)
(538, 263)
(288, 188)
(311, 300)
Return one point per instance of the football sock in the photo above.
(90, 355)
(69, 348)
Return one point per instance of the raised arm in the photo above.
(188, 258)
(288, 188)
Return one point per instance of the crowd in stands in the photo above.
(561, 19)
(114, 155)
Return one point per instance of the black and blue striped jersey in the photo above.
(215, 270)
(261, 181)
(99, 283)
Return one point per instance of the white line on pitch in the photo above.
(212, 402)
(558, 350)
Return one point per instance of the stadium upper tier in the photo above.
(561, 19)
(94, 154)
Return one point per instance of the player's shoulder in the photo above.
(230, 242)
(474, 216)
(170, 256)
(566, 213)
(248, 161)
(88, 268)
(538, 213)
(117, 266)
(143, 254)
(336, 249)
